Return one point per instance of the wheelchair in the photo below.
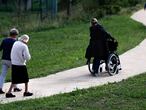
(112, 65)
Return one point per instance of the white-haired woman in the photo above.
(19, 55)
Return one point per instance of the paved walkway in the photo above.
(140, 16)
(133, 62)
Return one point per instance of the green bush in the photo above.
(115, 9)
(82, 10)
(111, 9)
(100, 8)
(111, 6)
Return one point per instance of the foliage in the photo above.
(101, 8)
(81, 10)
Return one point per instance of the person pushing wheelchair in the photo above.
(98, 47)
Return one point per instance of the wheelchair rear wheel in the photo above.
(90, 67)
(112, 64)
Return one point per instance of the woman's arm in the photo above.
(26, 53)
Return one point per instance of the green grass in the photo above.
(63, 48)
(126, 95)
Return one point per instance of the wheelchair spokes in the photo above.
(112, 68)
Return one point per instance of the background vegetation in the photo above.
(13, 15)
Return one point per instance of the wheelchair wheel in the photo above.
(112, 64)
(90, 67)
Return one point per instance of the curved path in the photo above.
(140, 16)
(80, 77)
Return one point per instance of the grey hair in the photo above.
(94, 20)
(24, 38)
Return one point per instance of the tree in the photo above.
(27, 4)
(68, 7)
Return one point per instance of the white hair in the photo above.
(94, 20)
(24, 38)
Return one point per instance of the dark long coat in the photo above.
(98, 43)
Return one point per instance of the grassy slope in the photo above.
(64, 48)
(126, 95)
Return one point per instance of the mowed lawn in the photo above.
(64, 48)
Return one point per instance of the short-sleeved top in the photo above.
(6, 47)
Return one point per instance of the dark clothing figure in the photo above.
(98, 47)
(6, 46)
(98, 43)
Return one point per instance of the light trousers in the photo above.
(6, 64)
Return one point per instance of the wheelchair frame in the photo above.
(113, 65)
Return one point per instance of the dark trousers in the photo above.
(96, 63)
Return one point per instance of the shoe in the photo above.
(17, 89)
(1, 91)
(10, 95)
(27, 94)
(94, 74)
(120, 68)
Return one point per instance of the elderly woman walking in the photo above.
(19, 55)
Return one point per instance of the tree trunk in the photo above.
(29, 4)
(41, 13)
(26, 4)
(69, 7)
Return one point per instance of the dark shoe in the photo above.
(95, 71)
(17, 90)
(95, 74)
(120, 68)
(10, 95)
(1, 91)
(27, 94)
